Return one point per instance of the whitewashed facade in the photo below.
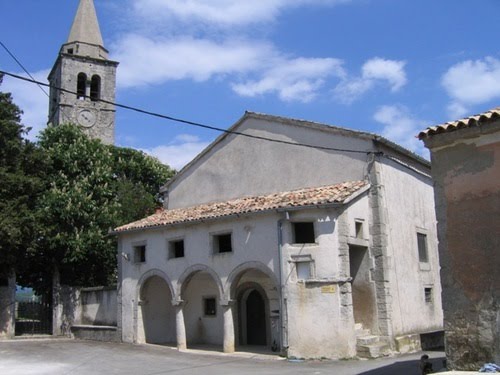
(309, 251)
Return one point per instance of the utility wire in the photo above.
(22, 67)
(32, 78)
(192, 123)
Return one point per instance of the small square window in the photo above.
(176, 249)
(140, 254)
(222, 243)
(428, 295)
(303, 270)
(422, 248)
(70, 51)
(209, 306)
(303, 232)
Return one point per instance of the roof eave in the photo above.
(245, 214)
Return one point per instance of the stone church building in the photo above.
(320, 243)
(325, 251)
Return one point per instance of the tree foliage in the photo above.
(138, 179)
(91, 188)
(60, 197)
(21, 180)
(78, 207)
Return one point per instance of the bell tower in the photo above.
(82, 67)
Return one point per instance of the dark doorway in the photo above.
(363, 293)
(256, 319)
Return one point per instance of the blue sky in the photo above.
(391, 67)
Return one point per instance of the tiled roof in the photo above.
(468, 122)
(324, 195)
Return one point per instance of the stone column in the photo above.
(227, 309)
(56, 303)
(180, 328)
(7, 305)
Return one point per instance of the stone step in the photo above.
(362, 333)
(377, 350)
(367, 340)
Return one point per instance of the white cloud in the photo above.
(261, 68)
(470, 83)
(222, 12)
(374, 71)
(456, 110)
(401, 127)
(391, 71)
(293, 80)
(180, 152)
(32, 101)
(145, 61)
(201, 40)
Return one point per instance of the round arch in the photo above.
(154, 314)
(190, 272)
(253, 324)
(238, 272)
(154, 272)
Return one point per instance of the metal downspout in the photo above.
(283, 315)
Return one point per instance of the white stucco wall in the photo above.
(409, 207)
(98, 306)
(240, 166)
(253, 241)
(202, 329)
(315, 328)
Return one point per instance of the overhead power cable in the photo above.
(187, 122)
(226, 131)
(29, 75)
(22, 67)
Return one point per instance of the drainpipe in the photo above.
(283, 314)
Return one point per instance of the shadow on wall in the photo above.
(99, 306)
(70, 300)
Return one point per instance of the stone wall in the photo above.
(7, 306)
(98, 306)
(466, 170)
(83, 307)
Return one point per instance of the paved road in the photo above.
(61, 357)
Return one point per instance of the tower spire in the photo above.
(85, 27)
(85, 37)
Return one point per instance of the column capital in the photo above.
(177, 302)
(226, 302)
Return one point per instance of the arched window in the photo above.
(95, 88)
(81, 86)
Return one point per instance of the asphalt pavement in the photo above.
(72, 357)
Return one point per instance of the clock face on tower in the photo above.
(86, 118)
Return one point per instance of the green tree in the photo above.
(138, 179)
(21, 180)
(91, 188)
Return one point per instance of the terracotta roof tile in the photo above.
(324, 195)
(460, 124)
